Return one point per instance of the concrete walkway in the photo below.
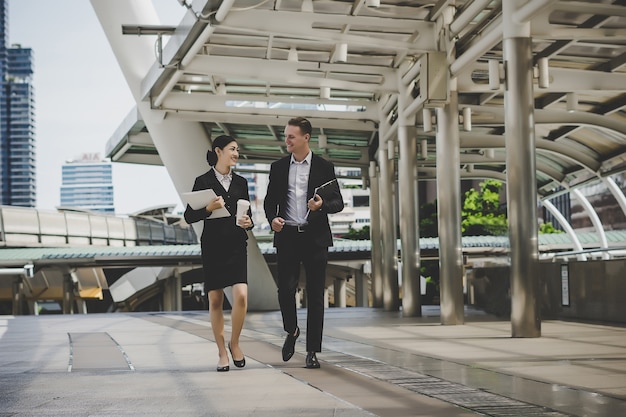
(374, 363)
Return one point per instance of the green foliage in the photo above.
(482, 213)
(362, 234)
(428, 220)
(547, 228)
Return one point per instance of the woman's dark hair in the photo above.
(302, 123)
(219, 142)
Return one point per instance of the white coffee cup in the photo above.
(242, 209)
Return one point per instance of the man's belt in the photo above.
(300, 228)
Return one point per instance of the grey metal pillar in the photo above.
(409, 226)
(520, 172)
(67, 304)
(81, 306)
(449, 212)
(360, 289)
(340, 292)
(391, 295)
(375, 238)
(18, 297)
(172, 293)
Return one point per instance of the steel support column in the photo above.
(391, 296)
(520, 171)
(182, 145)
(340, 292)
(449, 213)
(409, 226)
(375, 237)
(67, 304)
(18, 297)
(172, 292)
(361, 290)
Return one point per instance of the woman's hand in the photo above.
(218, 203)
(245, 221)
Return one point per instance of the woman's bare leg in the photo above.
(216, 314)
(238, 316)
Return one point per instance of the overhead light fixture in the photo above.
(543, 77)
(427, 120)
(391, 149)
(571, 102)
(494, 74)
(293, 55)
(341, 52)
(372, 3)
(307, 6)
(372, 169)
(424, 149)
(467, 119)
(322, 141)
(325, 92)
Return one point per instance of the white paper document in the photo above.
(202, 198)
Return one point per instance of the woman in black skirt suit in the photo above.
(224, 246)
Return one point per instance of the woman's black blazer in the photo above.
(220, 232)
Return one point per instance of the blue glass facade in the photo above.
(88, 185)
(17, 122)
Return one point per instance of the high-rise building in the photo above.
(87, 184)
(18, 130)
(17, 121)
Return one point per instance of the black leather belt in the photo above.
(301, 228)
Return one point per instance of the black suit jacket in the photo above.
(221, 233)
(275, 202)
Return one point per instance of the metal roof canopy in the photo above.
(244, 67)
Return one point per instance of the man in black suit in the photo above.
(299, 218)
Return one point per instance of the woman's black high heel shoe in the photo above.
(238, 363)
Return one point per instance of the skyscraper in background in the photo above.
(87, 184)
(17, 121)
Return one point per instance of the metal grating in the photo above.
(470, 398)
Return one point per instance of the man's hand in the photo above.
(315, 203)
(277, 224)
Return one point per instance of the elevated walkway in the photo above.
(374, 363)
(78, 272)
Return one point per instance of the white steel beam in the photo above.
(595, 220)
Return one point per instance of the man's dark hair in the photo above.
(302, 123)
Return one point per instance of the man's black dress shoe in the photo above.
(290, 345)
(311, 361)
(238, 363)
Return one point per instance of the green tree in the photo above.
(428, 220)
(547, 228)
(362, 234)
(482, 214)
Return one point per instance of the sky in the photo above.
(81, 97)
